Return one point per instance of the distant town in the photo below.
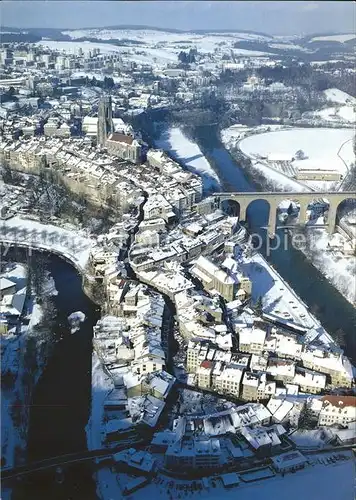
(125, 154)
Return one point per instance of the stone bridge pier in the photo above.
(274, 199)
(272, 216)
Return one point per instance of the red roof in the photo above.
(127, 139)
(206, 364)
(340, 401)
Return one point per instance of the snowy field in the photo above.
(72, 245)
(339, 97)
(205, 43)
(342, 111)
(237, 132)
(187, 152)
(334, 38)
(343, 114)
(154, 48)
(340, 108)
(231, 137)
(321, 147)
(337, 114)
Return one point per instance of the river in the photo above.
(328, 305)
(61, 400)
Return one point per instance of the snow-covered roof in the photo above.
(282, 411)
(12, 305)
(252, 336)
(6, 283)
(289, 459)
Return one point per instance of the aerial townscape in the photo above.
(178, 252)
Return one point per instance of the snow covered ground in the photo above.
(236, 134)
(13, 348)
(280, 180)
(338, 114)
(340, 269)
(160, 36)
(158, 54)
(340, 97)
(334, 38)
(318, 481)
(203, 42)
(320, 145)
(101, 384)
(73, 245)
(187, 152)
(340, 109)
(278, 298)
(230, 136)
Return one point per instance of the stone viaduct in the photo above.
(274, 199)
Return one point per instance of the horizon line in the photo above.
(179, 30)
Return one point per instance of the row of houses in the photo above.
(102, 178)
(154, 246)
(289, 350)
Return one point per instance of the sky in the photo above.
(278, 18)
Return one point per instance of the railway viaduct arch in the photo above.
(274, 199)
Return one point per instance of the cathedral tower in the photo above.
(105, 123)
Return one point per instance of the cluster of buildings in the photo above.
(229, 350)
(84, 170)
(129, 346)
(13, 291)
(265, 359)
(167, 235)
(213, 440)
(156, 243)
(106, 176)
(238, 437)
(225, 280)
(68, 85)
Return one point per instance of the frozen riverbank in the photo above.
(101, 384)
(188, 153)
(72, 244)
(24, 352)
(326, 252)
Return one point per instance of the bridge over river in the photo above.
(8, 474)
(75, 458)
(244, 199)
